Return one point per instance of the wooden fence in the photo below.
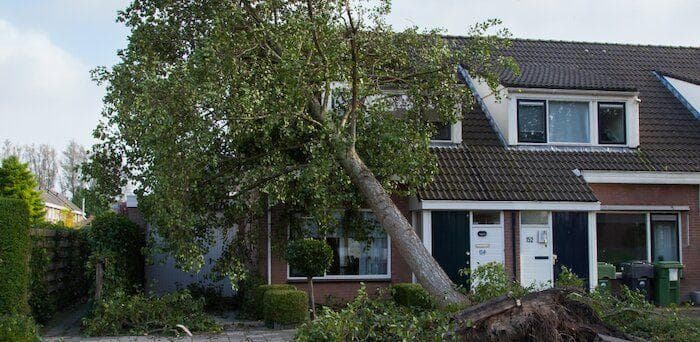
(64, 271)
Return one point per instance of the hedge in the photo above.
(259, 294)
(285, 307)
(118, 242)
(14, 255)
(18, 328)
(411, 295)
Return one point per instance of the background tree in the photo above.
(42, 162)
(10, 149)
(16, 181)
(311, 258)
(219, 108)
(71, 181)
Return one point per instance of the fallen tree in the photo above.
(549, 315)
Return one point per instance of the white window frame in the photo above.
(631, 117)
(648, 214)
(373, 277)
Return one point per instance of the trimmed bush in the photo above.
(118, 242)
(285, 307)
(122, 314)
(14, 255)
(18, 328)
(411, 295)
(310, 257)
(259, 295)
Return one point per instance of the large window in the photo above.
(624, 237)
(611, 123)
(621, 237)
(353, 258)
(532, 121)
(570, 122)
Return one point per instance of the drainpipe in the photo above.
(512, 237)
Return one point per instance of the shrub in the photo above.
(14, 252)
(411, 295)
(140, 315)
(285, 307)
(246, 296)
(119, 243)
(213, 297)
(366, 319)
(567, 278)
(16, 327)
(258, 296)
(311, 258)
(42, 305)
(490, 281)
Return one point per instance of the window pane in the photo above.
(487, 217)
(534, 217)
(621, 237)
(353, 257)
(531, 121)
(569, 122)
(611, 123)
(443, 131)
(664, 237)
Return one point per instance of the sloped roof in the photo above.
(482, 168)
(55, 198)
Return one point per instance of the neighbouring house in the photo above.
(591, 154)
(61, 209)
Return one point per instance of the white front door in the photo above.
(486, 238)
(536, 260)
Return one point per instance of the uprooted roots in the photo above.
(549, 315)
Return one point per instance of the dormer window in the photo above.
(569, 120)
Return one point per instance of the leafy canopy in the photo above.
(16, 181)
(216, 105)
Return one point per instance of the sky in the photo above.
(48, 47)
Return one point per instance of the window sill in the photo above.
(340, 279)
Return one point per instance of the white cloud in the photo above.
(46, 95)
(671, 22)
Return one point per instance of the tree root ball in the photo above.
(549, 315)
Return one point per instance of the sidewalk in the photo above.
(65, 327)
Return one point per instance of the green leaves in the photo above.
(16, 181)
(218, 108)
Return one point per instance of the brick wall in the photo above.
(330, 289)
(682, 195)
(510, 217)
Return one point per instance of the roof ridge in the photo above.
(449, 36)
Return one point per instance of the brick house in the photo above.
(593, 154)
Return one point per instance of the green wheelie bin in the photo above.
(606, 273)
(667, 288)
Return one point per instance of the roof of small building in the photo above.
(483, 168)
(55, 198)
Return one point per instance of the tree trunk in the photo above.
(404, 237)
(312, 301)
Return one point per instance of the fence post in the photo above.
(99, 275)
